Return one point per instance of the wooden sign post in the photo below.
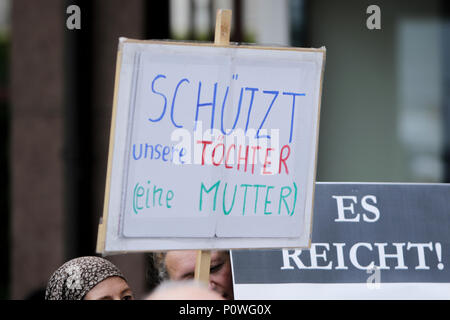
(221, 37)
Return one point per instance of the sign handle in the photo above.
(223, 26)
(221, 38)
(202, 266)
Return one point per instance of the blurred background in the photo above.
(385, 113)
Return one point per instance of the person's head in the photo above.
(183, 290)
(180, 265)
(88, 278)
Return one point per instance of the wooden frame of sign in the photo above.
(288, 223)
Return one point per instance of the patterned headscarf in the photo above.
(75, 278)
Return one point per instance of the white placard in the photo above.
(212, 147)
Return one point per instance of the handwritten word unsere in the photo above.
(158, 152)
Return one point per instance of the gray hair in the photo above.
(159, 260)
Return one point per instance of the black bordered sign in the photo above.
(370, 241)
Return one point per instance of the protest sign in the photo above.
(370, 241)
(211, 147)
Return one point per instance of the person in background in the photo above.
(88, 278)
(183, 290)
(180, 265)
